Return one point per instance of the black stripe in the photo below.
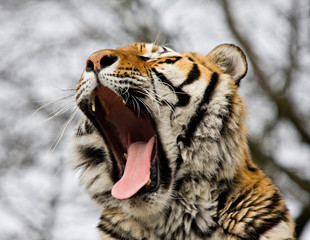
(238, 200)
(164, 168)
(93, 156)
(123, 235)
(210, 88)
(222, 199)
(237, 236)
(178, 184)
(89, 128)
(179, 162)
(183, 98)
(189, 58)
(193, 75)
(113, 234)
(93, 181)
(83, 105)
(154, 89)
(197, 118)
(251, 168)
(101, 197)
(225, 118)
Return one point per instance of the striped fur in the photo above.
(209, 188)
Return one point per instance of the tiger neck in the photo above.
(214, 143)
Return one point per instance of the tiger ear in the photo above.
(231, 60)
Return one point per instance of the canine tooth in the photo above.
(93, 104)
(126, 155)
(124, 101)
(104, 107)
(148, 183)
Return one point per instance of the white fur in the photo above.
(281, 231)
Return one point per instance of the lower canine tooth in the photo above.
(148, 183)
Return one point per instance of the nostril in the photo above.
(108, 60)
(99, 60)
(89, 66)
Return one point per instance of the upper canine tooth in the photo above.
(124, 101)
(93, 104)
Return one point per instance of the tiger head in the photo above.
(152, 116)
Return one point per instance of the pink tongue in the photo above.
(137, 170)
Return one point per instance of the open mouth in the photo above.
(131, 140)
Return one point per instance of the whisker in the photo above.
(158, 37)
(148, 108)
(137, 105)
(153, 99)
(57, 140)
(160, 100)
(63, 89)
(60, 110)
(51, 102)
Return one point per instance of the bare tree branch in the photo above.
(284, 105)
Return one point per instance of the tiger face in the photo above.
(153, 116)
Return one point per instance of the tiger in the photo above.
(162, 147)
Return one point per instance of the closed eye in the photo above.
(165, 49)
(144, 58)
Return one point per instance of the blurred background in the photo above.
(43, 49)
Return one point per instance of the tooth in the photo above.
(126, 155)
(148, 183)
(124, 101)
(104, 107)
(93, 104)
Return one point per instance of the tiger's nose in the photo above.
(100, 60)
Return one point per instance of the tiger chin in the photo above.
(162, 147)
